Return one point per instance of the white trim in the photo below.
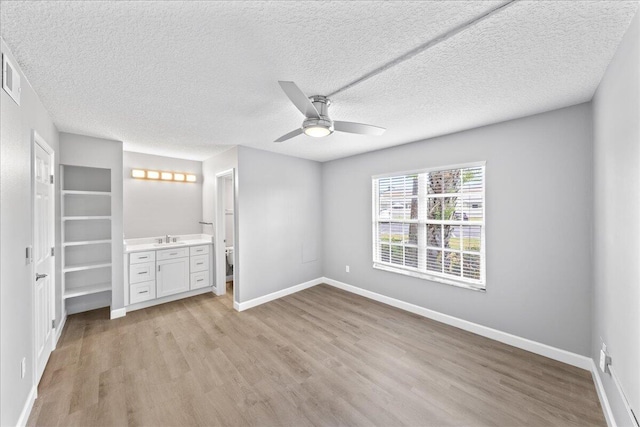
(408, 271)
(275, 295)
(602, 395)
(28, 406)
(431, 169)
(494, 334)
(38, 140)
(220, 232)
(59, 329)
(119, 312)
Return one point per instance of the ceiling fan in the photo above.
(317, 122)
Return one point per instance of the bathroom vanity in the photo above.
(163, 269)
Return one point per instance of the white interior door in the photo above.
(43, 216)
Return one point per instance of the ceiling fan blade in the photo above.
(289, 135)
(299, 99)
(359, 128)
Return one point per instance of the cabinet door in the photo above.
(172, 276)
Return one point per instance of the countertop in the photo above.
(151, 243)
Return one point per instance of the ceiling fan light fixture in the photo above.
(317, 123)
(317, 128)
(317, 131)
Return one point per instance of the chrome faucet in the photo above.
(167, 239)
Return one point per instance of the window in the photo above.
(430, 224)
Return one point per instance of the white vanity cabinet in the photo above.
(173, 272)
(155, 274)
(142, 276)
(199, 266)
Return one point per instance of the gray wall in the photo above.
(279, 217)
(81, 150)
(16, 277)
(210, 167)
(616, 291)
(220, 163)
(156, 208)
(538, 225)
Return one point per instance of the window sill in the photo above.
(425, 276)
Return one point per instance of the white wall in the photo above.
(279, 221)
(81, 150)
(616, 248)
(157, 208)
(16, 277)
(538, 225)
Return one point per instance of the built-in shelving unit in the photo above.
(84, 218)
(86, 230)
(87, 290)
(87, 193)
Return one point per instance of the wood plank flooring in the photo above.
(320, 357)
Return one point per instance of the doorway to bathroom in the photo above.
(225, 237)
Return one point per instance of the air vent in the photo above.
(10, 79)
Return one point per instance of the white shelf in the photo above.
(87, 193)
(88, 266)
(84, 218)
(87, 290)
(86, 242)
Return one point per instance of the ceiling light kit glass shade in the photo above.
(164, 176)
(318, 127)
(317, 131)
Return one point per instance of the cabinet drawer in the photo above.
(199, 280)
(142, 292)
(142, 272)
(172, 253)
(199, 250)
(138, 257)
(199, 263)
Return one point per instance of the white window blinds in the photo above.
(430, 224)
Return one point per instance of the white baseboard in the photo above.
(494, 334)
(119, 312)
(275, 295)
(602, 395)
(60, 328)
(28, 406)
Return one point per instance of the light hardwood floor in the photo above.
(319, 357)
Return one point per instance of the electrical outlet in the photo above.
(23, 367)
(347, 268)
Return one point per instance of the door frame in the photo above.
(39, 140)
(221, 266)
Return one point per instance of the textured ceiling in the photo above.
(187, 79)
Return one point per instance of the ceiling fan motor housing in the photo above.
(322, 105)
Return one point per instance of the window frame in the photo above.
(473, 284)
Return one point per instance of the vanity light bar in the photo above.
(164, 176)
